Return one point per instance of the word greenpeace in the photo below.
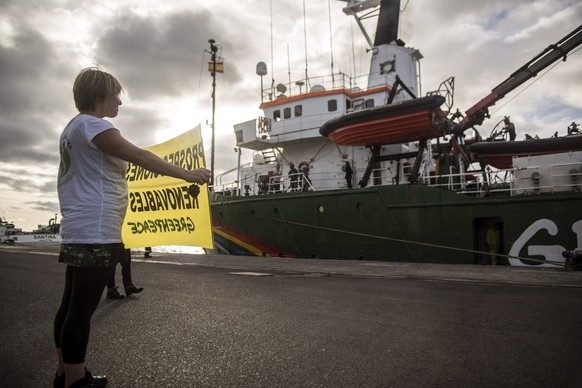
(171, 198)
(188, 158)
(163, 225)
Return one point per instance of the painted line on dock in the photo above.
(257, 274)
(35, 252)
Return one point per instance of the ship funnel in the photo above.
(387, 28)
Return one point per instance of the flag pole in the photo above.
(213, 50)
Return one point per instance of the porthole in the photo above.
(276, 210)
(320, 209)
(360, 206)
(253, 212)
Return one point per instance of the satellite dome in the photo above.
(261, 68)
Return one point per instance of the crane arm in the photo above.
(478, 112)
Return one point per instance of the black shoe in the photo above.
(112, 293)
(90, 381)
(97, 381)
(59, 381)
(131, 289)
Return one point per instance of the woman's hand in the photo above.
(200, 176)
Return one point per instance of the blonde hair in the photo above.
(93, 85)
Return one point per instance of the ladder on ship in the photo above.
(269, 155)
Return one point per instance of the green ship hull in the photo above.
(406, 223)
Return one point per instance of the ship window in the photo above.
(277, 115)
(331, 105)
(298, 110)
(370, 103)
(358, 104)
(287, 113)
(348, 105)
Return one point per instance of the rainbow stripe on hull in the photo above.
(233, 242)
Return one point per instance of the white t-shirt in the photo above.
(91, 185)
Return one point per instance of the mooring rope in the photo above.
(404, 241)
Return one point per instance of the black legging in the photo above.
(83, 289)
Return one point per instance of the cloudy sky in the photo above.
(157, 50)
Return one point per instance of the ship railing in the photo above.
(256, 184)
(230, 189)
(219, 177)
(288, 183)
(572, 179)
(554, 178)
(468, 183)
(307, 85)
(524, 181)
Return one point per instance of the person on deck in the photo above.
(348, 170)
(92, 192)
(293, 177)
(509, 128)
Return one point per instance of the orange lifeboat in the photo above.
(400, 122)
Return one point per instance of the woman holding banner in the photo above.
(93, 198)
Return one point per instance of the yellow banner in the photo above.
(161, 210)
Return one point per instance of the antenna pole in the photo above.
(289, 69)
(305, 40)
(330, 41)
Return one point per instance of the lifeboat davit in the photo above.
(500, 153)
(400, 122)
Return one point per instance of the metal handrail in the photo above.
(477, 182)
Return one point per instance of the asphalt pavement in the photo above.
(220, 321)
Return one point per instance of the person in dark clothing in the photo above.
(293, 177)
(112, 292)
(147, 253)
(349, 172)
(509, 128)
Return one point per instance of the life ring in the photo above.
(304, 167)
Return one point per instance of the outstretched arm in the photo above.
(113, 143)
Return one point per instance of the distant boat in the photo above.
(9, 234)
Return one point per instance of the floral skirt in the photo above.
(92, 255)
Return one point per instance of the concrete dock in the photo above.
(221, 321)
